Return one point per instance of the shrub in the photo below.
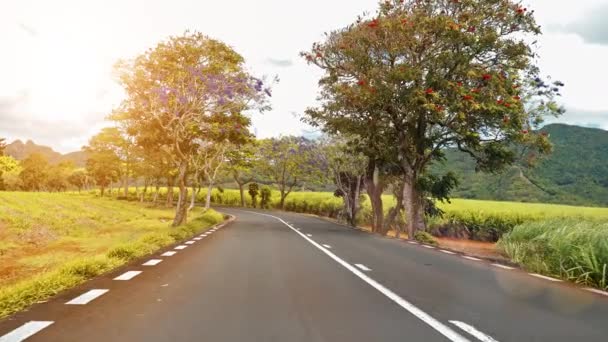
(426, 238)
(572, 249)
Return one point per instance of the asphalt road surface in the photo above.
(290, 277)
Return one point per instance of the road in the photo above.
(291, 277)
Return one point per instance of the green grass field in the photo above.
(472, 219)
(50, 242)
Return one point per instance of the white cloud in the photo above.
(65, 67)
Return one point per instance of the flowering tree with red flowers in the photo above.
(191, 91)
(421, 76)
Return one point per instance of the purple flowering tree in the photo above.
(191, 91)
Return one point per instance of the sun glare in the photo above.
(65, 81)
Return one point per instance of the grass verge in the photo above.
(574, 250)
(37, 271)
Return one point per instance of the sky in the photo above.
(57, 87)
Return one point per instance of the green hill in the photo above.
(575, 173)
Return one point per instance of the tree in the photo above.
(265, 196)
(78, 178)
(183, 85)
(347, 171)
(240, 166)
(103, 163)
(58, 175)
(8, 167)
(35, 172)
(436, 74)
(291, 162)
(254, 191)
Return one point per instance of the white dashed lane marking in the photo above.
(25, 331)
(128, 275)
(327, 246)
(190, 242)
(197, 239)
(168, 254)
(363, 267)
(413, 242)
(152, 262)
(446, 252)
(180, 247)
(87, 297)
(309, 235)
(427, 246)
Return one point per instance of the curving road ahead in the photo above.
(290, 277)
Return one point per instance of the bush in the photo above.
(576, 250)
(426, 238)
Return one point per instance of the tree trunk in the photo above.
(143, 193)
(103, 190)
(242, 192)
(355, 203)
(181, 212)
(170, 182)
(414, 209)
(208, 199)
(394, 212)
(374, 187)
(155, 198)
(126, 182)
(282, 203)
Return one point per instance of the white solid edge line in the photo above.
(128, 275)
(544, 277)
(87, 297)
(590, 289)
(26, 330)
(170, 253)
(503, 267)
(471, 258)
(152, 262)
(446, 252)
(327, 246)
(363, 267)
(473, 332)
(180, 247)
(423, 316)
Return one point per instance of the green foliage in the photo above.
(96, 235)
(426, 238)
(575, 173)
(266, 196)
(34, 172)
(290, 162)
(576, 250)
(103, 164)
